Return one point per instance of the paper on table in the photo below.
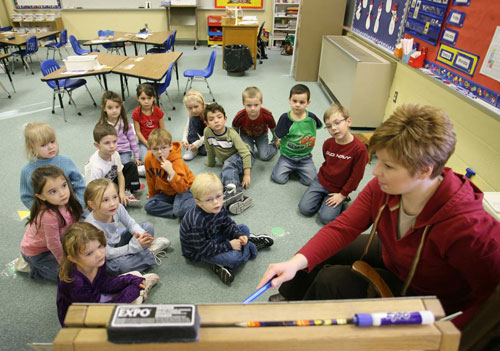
(139, 59)
(75, 72)
(97, 41)
(128, 67)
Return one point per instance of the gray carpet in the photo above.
(28, 306)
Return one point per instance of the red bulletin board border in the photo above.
(475, 36)
(246, 4)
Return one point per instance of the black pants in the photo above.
(333, 278)
(131, 176)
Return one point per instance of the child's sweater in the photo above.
(297, 137)
(224, 145)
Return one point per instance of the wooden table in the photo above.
(243, 35)
(156, 38)
(3, 58)
(118, 38)
(150, 67)
(20, 39)
(109, 61)
(87, 328)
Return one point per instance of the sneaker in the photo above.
(189, 155)
(159, 244)
(136, 273)
(151, 280)
(225, 274)
(240, 206)
(141, 170)
(277, 298)
(134, 201)
(21, 265)
(140, 190)
(261, 241)
(231, 195)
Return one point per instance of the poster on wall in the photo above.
(37, 4)
(380, 21)
(491, 63)
(246, 4)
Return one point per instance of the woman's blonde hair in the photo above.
(74, 240)
(416, 136)
(95, 191)
(37, 133)
(205, 183)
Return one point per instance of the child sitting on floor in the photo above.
(169, 177)
(344, 166)
(209, 235)
(83, 276)
(192, 138)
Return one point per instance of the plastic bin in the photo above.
(237, 59)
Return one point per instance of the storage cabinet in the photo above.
(37, 22)
(316, 18)
(356, 77)
(214, 30)
(284, 20)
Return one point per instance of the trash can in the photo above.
(237, 59)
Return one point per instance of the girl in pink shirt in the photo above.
(54, 209)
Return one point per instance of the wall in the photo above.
(77, 21)
(4, 18)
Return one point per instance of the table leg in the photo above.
(121, 85)
(135, 48)
(177, 75)
(5, 64)
(105, 82)
(124, 50)
(60, 100)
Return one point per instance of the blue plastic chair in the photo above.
(192, 74)
(162, 49)
(77, 48)
(56, 46)
(111, 47)
(31, 48)
(162, 87)
(63, 85)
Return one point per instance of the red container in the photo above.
(418, 62)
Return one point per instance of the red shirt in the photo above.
(148, 123)
(460, 259)
(254, 128)
(344, 166)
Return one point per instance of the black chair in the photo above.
(261, 45)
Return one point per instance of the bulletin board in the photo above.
(248, 4)
(380, 21)
(472, 37)
(37, 4)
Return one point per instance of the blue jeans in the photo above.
(125, 156)
(195, 131)
(232, 170)
(143, 150)
(170, 206)
(304, 166)
(314, 200)
(265, 149)
(43, 266)
(139, 261)
(234, 258)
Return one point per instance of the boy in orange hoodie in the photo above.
(168, 176)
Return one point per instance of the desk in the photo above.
(108, 60)
(156, 38)
(20, 39)
(3, 58)
(86, 328)
(243, 35)
(150, 67)
(118, 38)
(184, 15)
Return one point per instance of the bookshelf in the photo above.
(285, 17)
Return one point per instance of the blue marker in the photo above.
(258, 292)
(378, 319)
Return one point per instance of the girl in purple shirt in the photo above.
(83, 277)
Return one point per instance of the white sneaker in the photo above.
(189, 155)
(232, 195)
(141, 170)
(159, 244)
(21, 265)
(151, 280)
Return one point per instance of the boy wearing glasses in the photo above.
(209, 235)
(344, 166)
(297, 132)
(169, 177)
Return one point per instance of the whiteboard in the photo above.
(120, 4)
(37, 4)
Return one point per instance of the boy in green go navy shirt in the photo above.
(297, 132)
